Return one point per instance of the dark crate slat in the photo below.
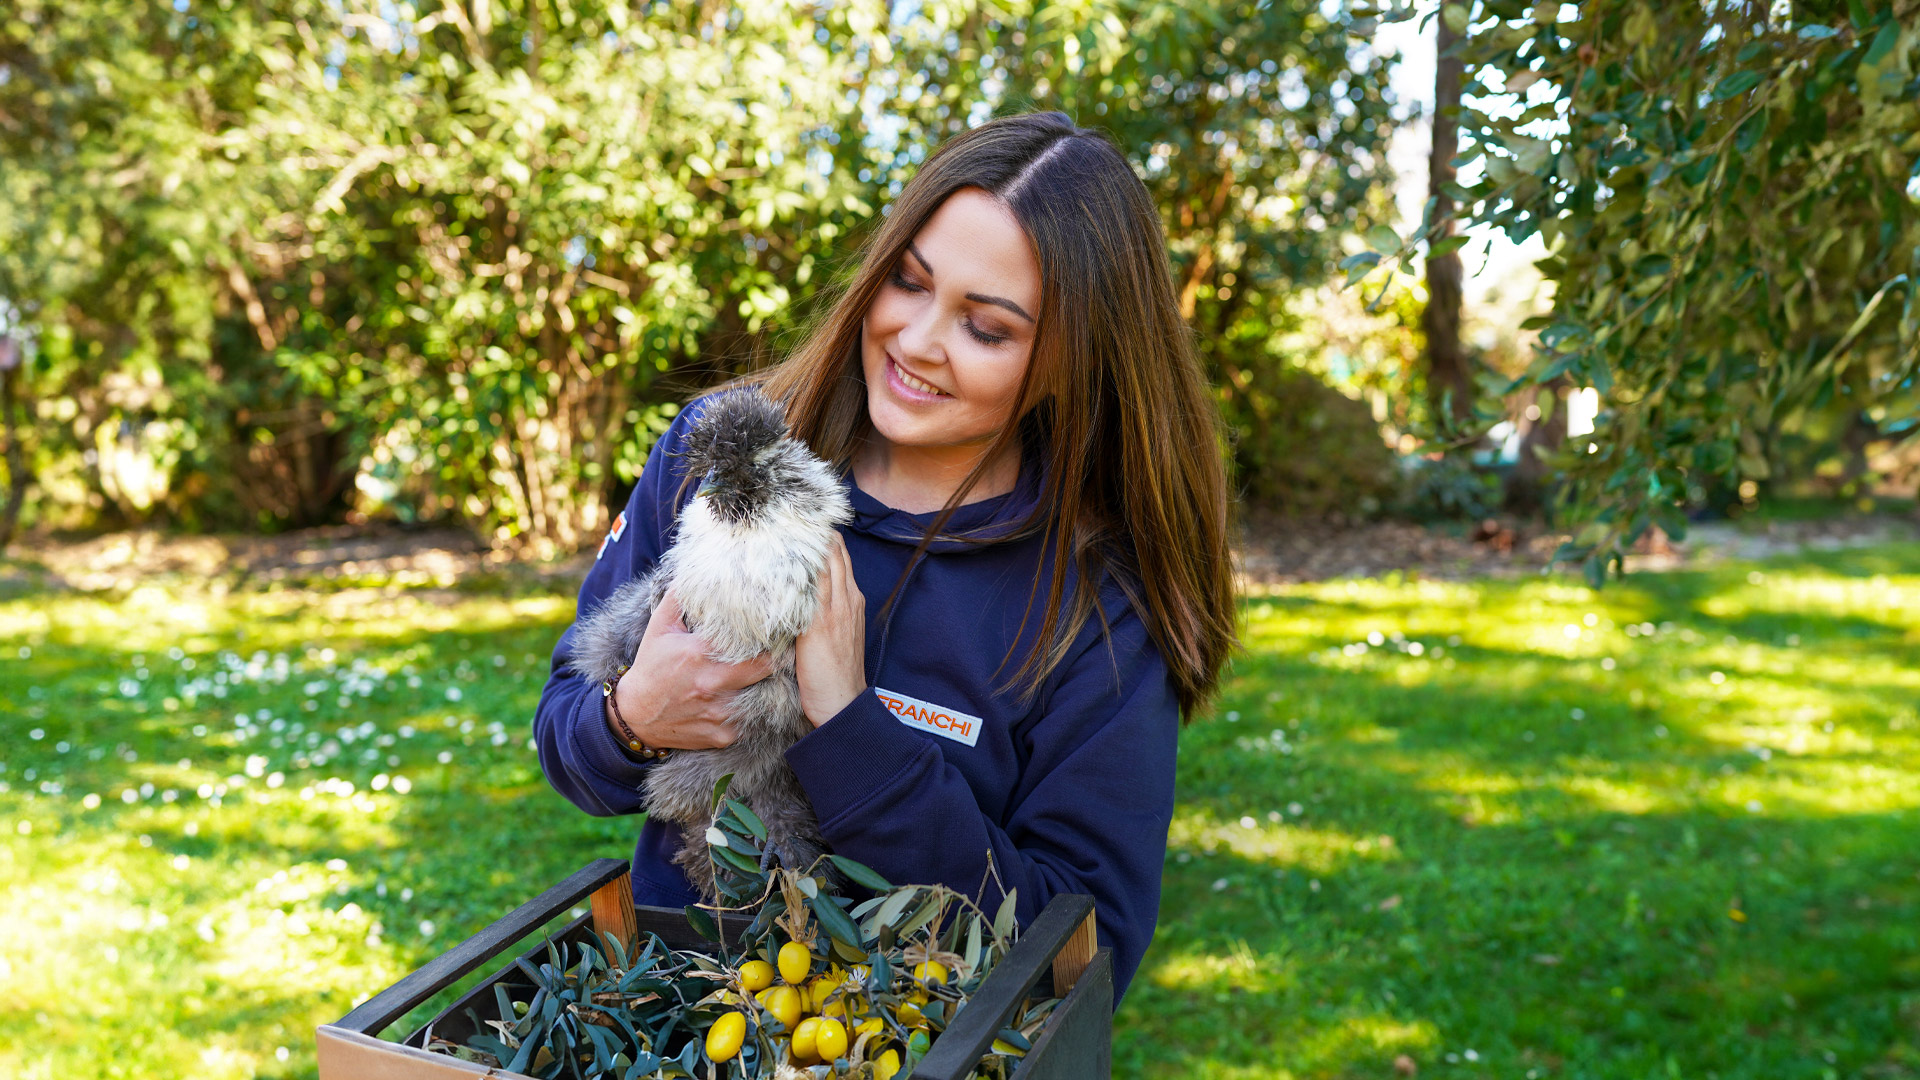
(452, 1022)
(1077, 1041)
(669, 923)
(959, 1048)
(374, 1014)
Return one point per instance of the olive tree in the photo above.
(1730, 195)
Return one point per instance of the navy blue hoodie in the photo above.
(1071, 791)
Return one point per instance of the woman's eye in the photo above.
(899, 281)
(982, 336)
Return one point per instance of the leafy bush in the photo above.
(1451, 487)
(1725, 193)
(452, 265)
(1302, 447)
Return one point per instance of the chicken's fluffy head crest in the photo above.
(747, 463)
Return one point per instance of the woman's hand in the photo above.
(830, 658)
(672, 695)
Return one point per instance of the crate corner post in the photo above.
(1075, 955)
(613, 912)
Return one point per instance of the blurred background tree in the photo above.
(272, 263)
(1731, 200)
(277, 260)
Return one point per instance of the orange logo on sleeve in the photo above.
(613, 535)
(927, 716)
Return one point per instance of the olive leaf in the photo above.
(860, 874)
(834, 921)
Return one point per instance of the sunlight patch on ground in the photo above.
(1377, 849)
(1365, 1037)
(1268, 841)
(1238, 968)
(114, 944)
(1892, 600)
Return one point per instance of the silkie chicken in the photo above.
(745, 566)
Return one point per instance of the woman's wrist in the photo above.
(626, 717)
(832, 703)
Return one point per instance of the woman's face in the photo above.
(946, 341)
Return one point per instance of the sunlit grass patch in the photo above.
(227, 818)
(1499, 827)
(1666, 828)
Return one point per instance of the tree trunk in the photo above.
(12, 399)
(1529, 488)
(1450, 387)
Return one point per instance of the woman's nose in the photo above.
(920, 339)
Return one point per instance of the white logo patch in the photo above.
(927, 716)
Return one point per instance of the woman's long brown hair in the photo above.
(1113, 402)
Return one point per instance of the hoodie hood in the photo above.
(972, 527)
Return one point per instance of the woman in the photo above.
(1035, 588)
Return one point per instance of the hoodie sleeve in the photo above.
(579, 754)
(1096, 803)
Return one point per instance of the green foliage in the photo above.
(593, 1012)
(1307, 448)
(581, 1013)
(1452, 487)
(1261, 132)
(1729, 202)
(277, 257)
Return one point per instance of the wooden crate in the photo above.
(1057, 954)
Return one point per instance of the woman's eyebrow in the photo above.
(997, 301)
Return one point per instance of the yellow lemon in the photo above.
(930, 971)
(803, 1038)
(755, 976)
(820, 991)
(829, 1039)
(784, 1003)
(795, 962)
(909, 1013)
(886, 1065)
(723, 1038)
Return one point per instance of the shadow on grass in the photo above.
(1565, 904)
(1443, 863)
(478, 832)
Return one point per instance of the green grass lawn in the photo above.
(1507, 828)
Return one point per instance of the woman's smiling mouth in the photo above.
(918, 389)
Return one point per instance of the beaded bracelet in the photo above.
(634, 744)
